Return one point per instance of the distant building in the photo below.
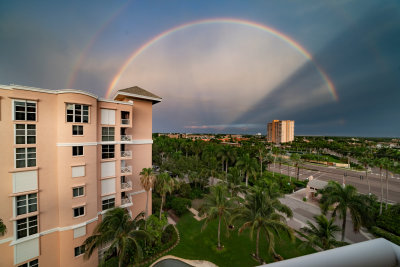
(280, 131)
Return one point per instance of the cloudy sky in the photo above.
(220, 66)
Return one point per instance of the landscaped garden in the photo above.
(196, 244)
(238, 199)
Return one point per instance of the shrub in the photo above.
(385, 234)
(168, 234)
(184, 190)
(179, 205)
(389, 220)
(300, 184)
(304, 199)
(156, 205)
(196, 193)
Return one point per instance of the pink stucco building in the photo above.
(66, 157)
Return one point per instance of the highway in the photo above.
(325, 173)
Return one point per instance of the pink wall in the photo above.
(55, 182)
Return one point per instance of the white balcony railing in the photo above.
(126, 200)
(126, 137)
(126, 185)
(125, 121)
(126, 169)
(126, 154)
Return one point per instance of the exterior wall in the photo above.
(54, 162)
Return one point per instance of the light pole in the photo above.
(344, 175)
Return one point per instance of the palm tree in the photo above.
(248, 165)
(164, 184)
(280, 162)
(387, 164)
(367, 162)
(322, 234)
(269, 159)
(122, 234)
(344, 199)
(223, 155)
(217, 206)
(261, 156)
(147, 180)
(260, 215)
(3, 228)
(296, 158)
(379, 162)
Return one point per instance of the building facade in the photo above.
(66, 157)
(280, 131)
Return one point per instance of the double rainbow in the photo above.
(256, 25)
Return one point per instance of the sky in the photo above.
(220, 66)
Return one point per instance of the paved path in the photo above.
(196, 214)
(305, 211)
(171, 221)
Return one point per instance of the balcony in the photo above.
(125, 122)
(125, 186)
(126, 200)
(126, 169)
(127, 138)
(126, 154)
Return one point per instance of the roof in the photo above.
(317, 184)
(138, 92)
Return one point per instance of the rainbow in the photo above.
(259, 26)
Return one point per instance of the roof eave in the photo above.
(153, 99)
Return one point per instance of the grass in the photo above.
(201, 245)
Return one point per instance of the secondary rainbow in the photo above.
(91, 42)
(259, 26)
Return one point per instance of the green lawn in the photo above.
(201, 245)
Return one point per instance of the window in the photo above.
(24, 110)
(27, 226)
(107, 133)
(77, 130)
(25, 157)
(25, 133)
(108, 204)
(26, 203)
(78, 191)
(78, 171)
(34, 263)
(107, 116)
(79, 250)
(107, 151)
(80, 211)
(77, 113)
(77, 151)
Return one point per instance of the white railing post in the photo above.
(125, 121)
(126, 154)
(126, 137)
(126, 169)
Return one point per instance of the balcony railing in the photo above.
(126, 137)
(126, 154)
(126, 200)
(125, 121)
(126, 169)
(126, 185)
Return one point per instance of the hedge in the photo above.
(385, 234)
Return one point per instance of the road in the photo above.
(305, 211)
(353, 178)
